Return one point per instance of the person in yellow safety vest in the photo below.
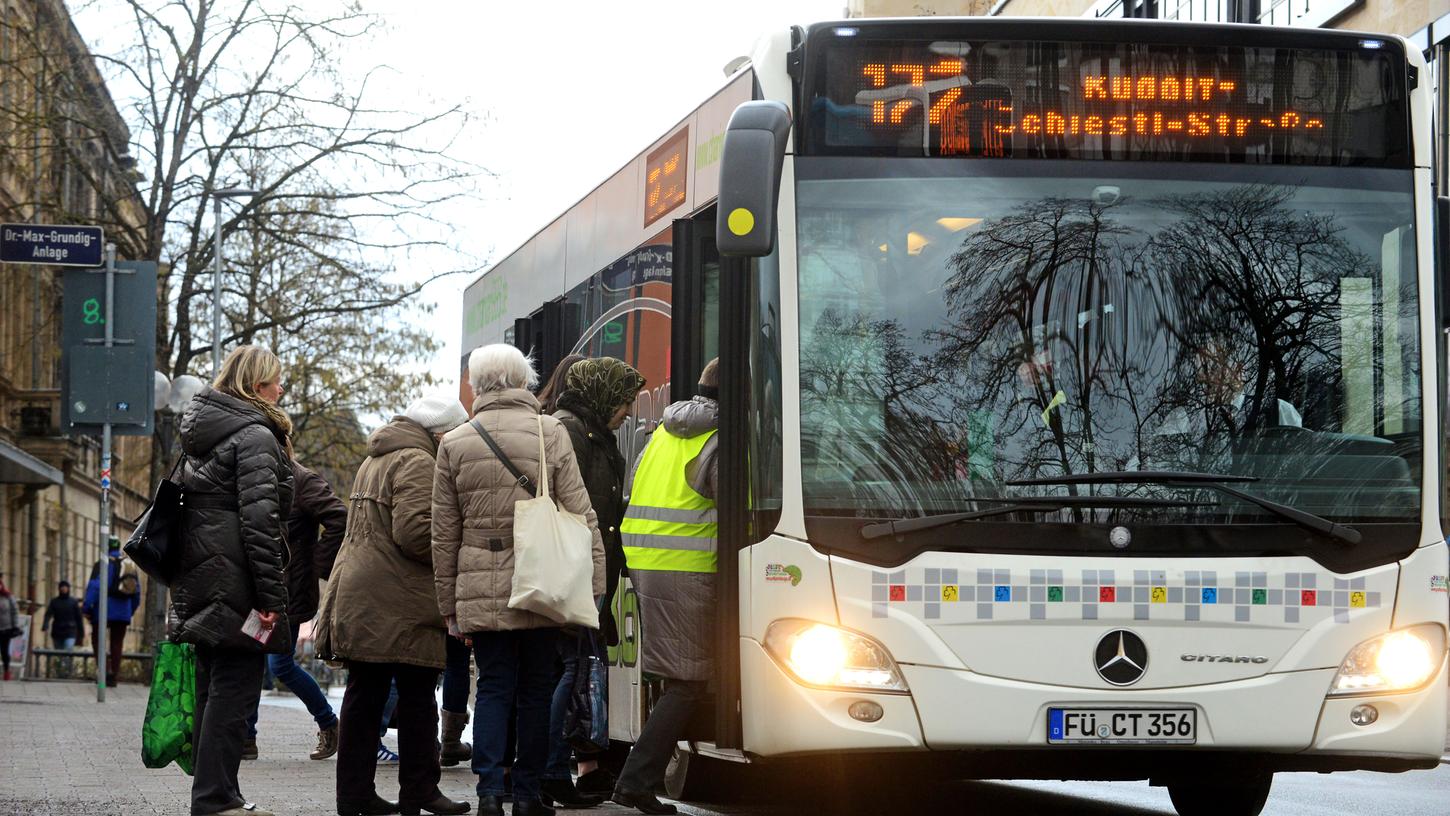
(670, 533)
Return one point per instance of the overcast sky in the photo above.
(571, 91)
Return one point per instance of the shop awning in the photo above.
(19, 467)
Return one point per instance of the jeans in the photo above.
(514, 668)
(65, 644)
(284, 667)
(368, 685)
(559, 750)
(644, 771)
(456, 676)
(389, 707)
(228, 683)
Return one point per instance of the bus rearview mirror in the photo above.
(750, 170)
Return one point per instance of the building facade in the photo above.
(63, 159)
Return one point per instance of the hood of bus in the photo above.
(1042, 620)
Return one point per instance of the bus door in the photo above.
(695, 302)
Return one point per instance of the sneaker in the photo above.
(386, 757)
(326, 743)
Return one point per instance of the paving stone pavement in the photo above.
(63, 754)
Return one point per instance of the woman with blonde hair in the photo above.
(237, 479)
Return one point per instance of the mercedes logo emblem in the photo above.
(1121, 658)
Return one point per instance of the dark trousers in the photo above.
(368, 685)
(5, 651)
(515, 668)
(114, 645)
(644, 771)
(228, 683)
(456, 676)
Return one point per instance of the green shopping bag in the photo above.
(166, 731)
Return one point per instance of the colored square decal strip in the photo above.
(1308, 597)
(1054, 594)
(1210, 595)
(1107, 594)
(898, 592)
(1261, 597)
(1160, 595)
(1356, 600)
(950, 593)
(1004, 594)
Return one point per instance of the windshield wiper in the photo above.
(1016, 504)
(1210, 481)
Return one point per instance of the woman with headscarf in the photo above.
(597, 397)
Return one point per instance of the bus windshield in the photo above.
(965, 324)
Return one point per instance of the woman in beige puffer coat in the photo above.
(473, 558)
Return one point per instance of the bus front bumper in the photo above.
(1284, 718)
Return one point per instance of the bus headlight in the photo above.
(1402, 660)
(818, 654)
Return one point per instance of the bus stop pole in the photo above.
(103, 571)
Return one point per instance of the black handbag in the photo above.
(156, 544)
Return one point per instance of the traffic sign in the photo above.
(114, 385)
(52, 244)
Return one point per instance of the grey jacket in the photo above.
(677, 608)
(9, 613)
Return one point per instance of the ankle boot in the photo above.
(440, 805)
(454, 749)
(490, 806)
(532, 807)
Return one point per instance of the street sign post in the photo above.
(51, 244)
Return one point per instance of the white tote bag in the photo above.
(553, 558)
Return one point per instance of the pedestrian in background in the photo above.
(549, 394)
(473, 561)
(237, 479)
(314, 533)
(381, 616)
(9, 623)
(123, 598)
(670, 532)
(598, 396)
(64, 622)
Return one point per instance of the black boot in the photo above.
(643, 801)
(563, 793)
(490, 806)
(598, 782)
(377, 807)
(532, 807)
(440, 804)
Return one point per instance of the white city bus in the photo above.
(1081, 396)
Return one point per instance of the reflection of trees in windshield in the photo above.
(1088, 335)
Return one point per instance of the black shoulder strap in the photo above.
(523, 481)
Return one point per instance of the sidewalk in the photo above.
(62, 754)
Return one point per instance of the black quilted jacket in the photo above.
(237, 489)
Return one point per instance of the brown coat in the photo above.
(379, 606)
(473, 509)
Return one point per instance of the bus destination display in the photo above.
(1107, 101)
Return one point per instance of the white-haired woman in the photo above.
(473, 560)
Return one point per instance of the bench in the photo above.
(83, 655)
